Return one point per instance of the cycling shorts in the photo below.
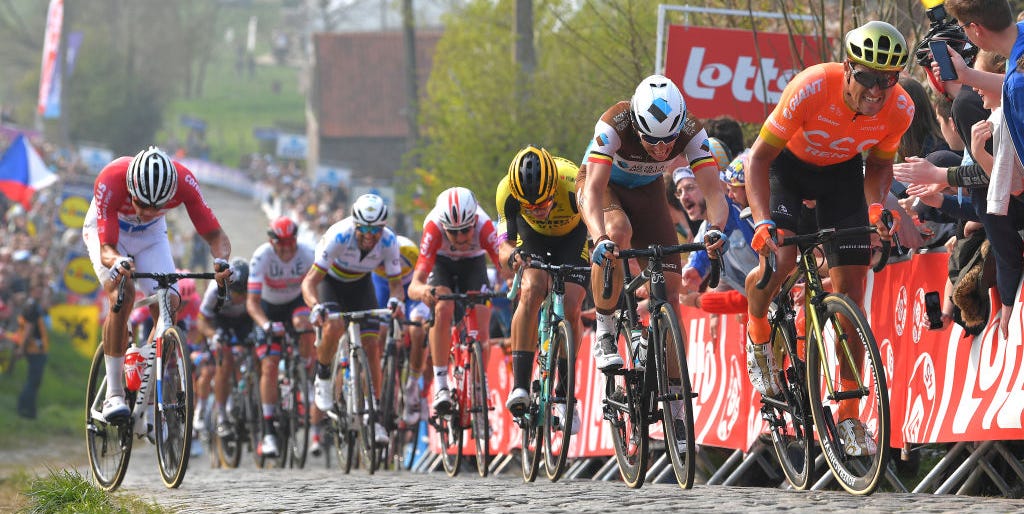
(357, 295)
(568, 249)
(459, 275)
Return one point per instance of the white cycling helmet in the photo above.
(457, 208)
(370, 209)
(657, 109)
(152, 177)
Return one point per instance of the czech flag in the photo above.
(23, 172)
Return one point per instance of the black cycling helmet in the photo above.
(954, 36)
(241, 266)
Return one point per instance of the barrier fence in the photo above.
(944, 387)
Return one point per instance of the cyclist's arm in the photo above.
(109, 255)
(206, 326)
(255, 309)
(395, 287)
(418, 288)
(504, 252)
(220, 245)
(599, 171)
(313, 277)
(877, 178)
(762, 154)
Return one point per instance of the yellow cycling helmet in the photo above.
(877, 45)
(532, 175)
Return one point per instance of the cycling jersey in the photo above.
(564, 215)
(278, 282)
(435, 241)
(814, 122)
(409, 252)
(616, 142)
(338, 254)
(230, 309)
(111, 209)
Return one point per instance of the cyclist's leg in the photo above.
(331, 293)
(620, 231)
(524, 337)
(440, 279)
(224, 360)
(268, 351)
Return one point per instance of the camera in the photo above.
(936, 10)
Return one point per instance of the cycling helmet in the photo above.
(456, 207)
(719, 151)
(370, 209)
(532, 175)
(657, 108)
(878, 46)
(239, 274)
(187, 287)
(735, 174)
(283, 229)
(152, 177)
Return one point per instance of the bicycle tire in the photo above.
(390, 405)
(449, 427)
(229, 449)
(109, 446)
(299, 434)
(342, 435)
(253, 418)
(858, 475)
(556, 442)
(410, 435)
(174, 410)
(791, 427)
(479, 422)
(364, 395)
(628, 423)
(668, 339)
(283, 423)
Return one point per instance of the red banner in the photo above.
(51, 46)
(727, 72)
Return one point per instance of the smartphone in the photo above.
(934, 310)
(941, 55)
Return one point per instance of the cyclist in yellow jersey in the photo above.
(538, 219)
(832, 138)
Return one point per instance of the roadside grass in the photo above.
(63, 491)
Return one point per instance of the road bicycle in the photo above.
(167, 397)
(468, 384)
(244, 415)
(643, 392)
(354, 413)
(291, 423)
(834, 327)
(542, 430)
(396, 371)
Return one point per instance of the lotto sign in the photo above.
(724, 72)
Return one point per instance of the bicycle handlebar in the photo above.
(825, 235)
(164, 281)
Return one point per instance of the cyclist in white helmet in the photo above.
(456, 235)
(125, 231)
(340, 281)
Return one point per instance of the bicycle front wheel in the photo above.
(479, 423)
(855, 436)
(791, 425)
(675, 395)
(530, 431)
(449, 425)
(174, 410)
(299, 414)
(342, 435)
(109, 445)
(626, 414)
(391, 402)
(365, 406)
(557, 432)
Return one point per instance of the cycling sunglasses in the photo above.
(370, 230)
(463, 230)
(147, 206)
(655, 141)
(870, 79)
(538, 207)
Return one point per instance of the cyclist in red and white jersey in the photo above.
(339, 281)
(456, 235)
(275, 304)
(125, 230)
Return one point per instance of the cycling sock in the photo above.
(441, 377)
(563, 370)
(268, 410)
(220, 413)
(605, 322)
(847, 408)
(522, 369)
(323, 371)
(115, 368)
(268, 426)
(758, 329)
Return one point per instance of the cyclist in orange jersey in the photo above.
(831, 138)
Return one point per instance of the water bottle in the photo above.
(344, 365)
(134, 367)
(638, 340)
(286, 393)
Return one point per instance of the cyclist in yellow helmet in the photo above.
(538, 218)
(831, 138)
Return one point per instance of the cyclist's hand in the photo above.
(318, 314)
(218, 340)
(222, 271)
(603, 250)
(122, 267)
(715, 242)
(515, 259)
(875, 211)
(765, 241)
(275, 328)
(395, 306)
(691, 279)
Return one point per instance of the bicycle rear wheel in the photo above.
(109, 445)
(298, 445)
(626, 413)
(449, 426)
(341, 434)
(174, 410)
(479, 423)
(390, 407)
(556, 439)
(791, 425)
(365, 399)
(861, 473)
(676, 400)
(229, 449)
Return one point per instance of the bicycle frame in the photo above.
(464, 332)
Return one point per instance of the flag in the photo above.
(22, 172)
(51, 45)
